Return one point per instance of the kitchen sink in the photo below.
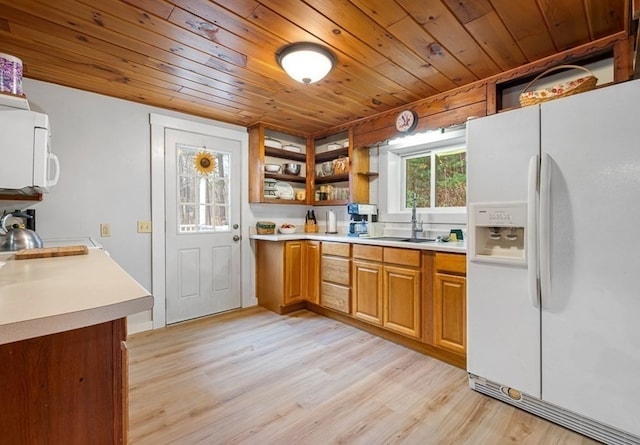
(405, 239)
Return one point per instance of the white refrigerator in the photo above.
(553, 299)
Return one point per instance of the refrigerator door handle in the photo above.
(545, 229)
(532, 230)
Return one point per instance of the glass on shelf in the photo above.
(330, 192)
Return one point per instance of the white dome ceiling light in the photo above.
(306, 62)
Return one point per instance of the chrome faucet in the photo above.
(416, 226)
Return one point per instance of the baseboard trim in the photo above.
(447, 357)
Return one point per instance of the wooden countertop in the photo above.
(49, 295)
(452, 247)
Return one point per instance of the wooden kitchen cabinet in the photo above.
(342, 187)
(311, 271)
(335, 272)
(279, 282)
(287, 274)
(449, 305)
(387, 288)
(367, 291)
(402, 291)
(367, 283)
(65, 388)
(349, 186)
(293, 271)
(260, 154)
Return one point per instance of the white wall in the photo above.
(104, 149)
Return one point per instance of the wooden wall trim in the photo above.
(480, 98)
(579, 52)
(457, 105)
(430, 122)
(622, 60)
(443, 110)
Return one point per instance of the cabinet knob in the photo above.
(236, 238)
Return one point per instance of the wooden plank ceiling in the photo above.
(217, 58)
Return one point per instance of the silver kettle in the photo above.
(16, 238)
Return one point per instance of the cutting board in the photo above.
(49, 252)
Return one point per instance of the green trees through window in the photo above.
(446, 188)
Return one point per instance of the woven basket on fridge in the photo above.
(565, 89)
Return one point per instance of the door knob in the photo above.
(236, 238)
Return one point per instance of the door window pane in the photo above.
(203, 199)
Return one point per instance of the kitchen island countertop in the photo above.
(452, 247)
(50, 295)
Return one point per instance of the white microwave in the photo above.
(26, 161)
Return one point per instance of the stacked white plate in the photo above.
(284, 191)
(273, 143)
(270, 190)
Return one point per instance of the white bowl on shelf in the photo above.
(272, 168)
(287, 230)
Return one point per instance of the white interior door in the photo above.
(202, 194)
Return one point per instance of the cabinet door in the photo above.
(293, 260)
(65, 388)
(311, 277)
(450, 312)
(401, 308)
(367, 291)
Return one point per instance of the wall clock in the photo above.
(406, 121)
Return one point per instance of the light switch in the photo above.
(144, 226)
(105, 230)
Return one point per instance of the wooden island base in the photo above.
(65, 388)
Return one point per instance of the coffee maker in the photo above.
(360, 218)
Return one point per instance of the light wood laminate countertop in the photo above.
(451, 247)
(50, 295)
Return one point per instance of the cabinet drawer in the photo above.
(451, 262)
(371, 253)
(406, 257)
(335, 296)
(336, 270)
(337, 249)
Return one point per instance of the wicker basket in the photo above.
(565, 89)
(265, 227)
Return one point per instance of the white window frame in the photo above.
(392, 184)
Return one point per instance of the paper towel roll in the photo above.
(332, 224)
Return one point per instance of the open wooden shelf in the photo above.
(286, 178)
(285, 154)
(344, 177)
(283, 201)
(332, 154)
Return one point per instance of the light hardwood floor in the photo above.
(254, 377)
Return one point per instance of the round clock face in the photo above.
(406, 121)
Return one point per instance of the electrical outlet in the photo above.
(105, 230)
(144, 226)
